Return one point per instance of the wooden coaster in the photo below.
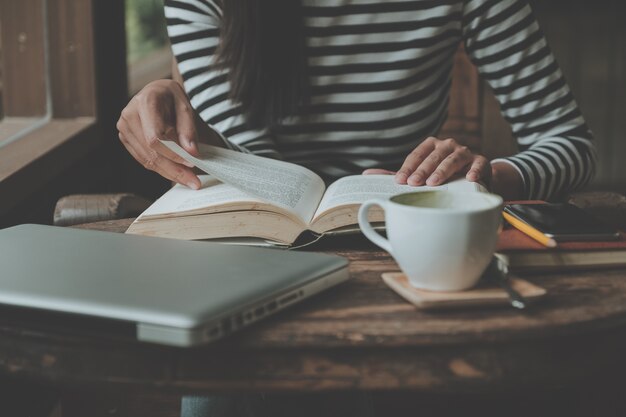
(482, 295)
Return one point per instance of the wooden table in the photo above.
(357, 336)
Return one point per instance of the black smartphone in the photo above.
(562, 222)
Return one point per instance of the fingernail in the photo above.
(433, 180)
(401, 178)
(188, 164)
(186, 142)
(415, 179)
(193, 185)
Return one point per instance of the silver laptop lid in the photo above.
(143, 279)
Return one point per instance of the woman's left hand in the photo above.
(435, 161)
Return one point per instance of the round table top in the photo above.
(358, 335)
(365, 312)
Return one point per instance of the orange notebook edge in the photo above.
(511, 240)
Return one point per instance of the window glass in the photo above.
(148, 52)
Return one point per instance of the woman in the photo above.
(350, 86)
(343, 86)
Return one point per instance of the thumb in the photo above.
(189, 144)
(186, 128)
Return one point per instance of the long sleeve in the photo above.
(504, 41)
(193, 28)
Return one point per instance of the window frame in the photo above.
(83, 42)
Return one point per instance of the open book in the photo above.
(248, 196)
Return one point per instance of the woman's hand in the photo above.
(161, 111)
(434, 161)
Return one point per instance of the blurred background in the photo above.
(148, 52)
(68, 67)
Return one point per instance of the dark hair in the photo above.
(262, 46)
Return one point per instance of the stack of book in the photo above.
(526, 254)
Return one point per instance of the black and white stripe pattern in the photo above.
(380, 79)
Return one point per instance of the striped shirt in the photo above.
(380, 75)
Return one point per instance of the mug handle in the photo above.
(367, 228)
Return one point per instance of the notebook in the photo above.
(525, 254)
(173, 292)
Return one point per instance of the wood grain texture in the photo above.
(87, 77)
(71, 55)
(589, 42)
(610, 207)
(11, 126)
(50, 149)
(483, 295)
(85, 208)
(23, 57)
(361, 335)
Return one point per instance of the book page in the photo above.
(213, 193)
(356, 189)
(280, 183)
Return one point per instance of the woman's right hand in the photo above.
(161, 110)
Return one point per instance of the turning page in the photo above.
(283, 184)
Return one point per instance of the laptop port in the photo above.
(289, 298)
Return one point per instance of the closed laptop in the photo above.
(175, 292)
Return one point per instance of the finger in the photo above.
(133, 147)
(452, 164)
(129, 146)
(173, 171)
(480, 170)
(430, 163)
(156, 113)
(153, 161)
(128, 138)
(171, 155)
(378, 171)
(415, 158)
(185, 122)
(155, 118)
(153, 128)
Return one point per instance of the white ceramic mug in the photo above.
(442, 240)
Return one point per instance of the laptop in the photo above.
(173, 292)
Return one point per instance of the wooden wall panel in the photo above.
(589, 42)
(22, 26)
(595, 85)
(71, 55)
(89, 36)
